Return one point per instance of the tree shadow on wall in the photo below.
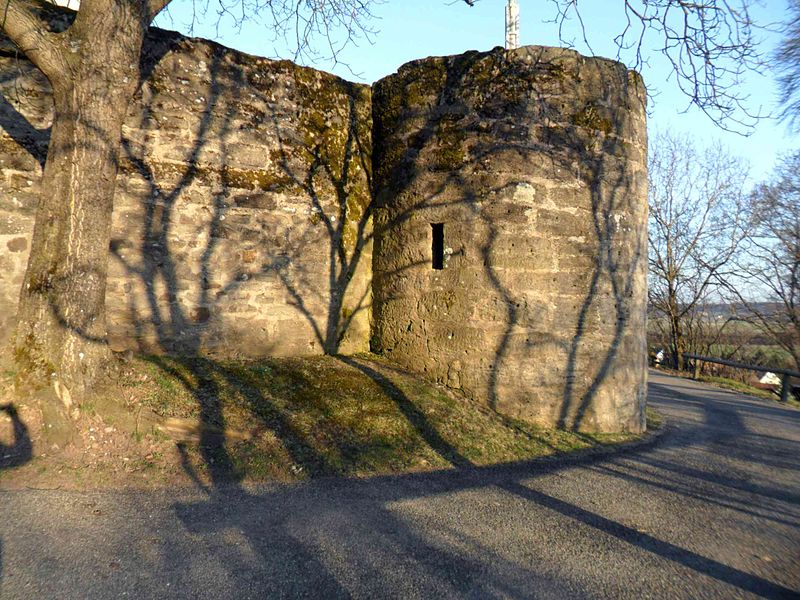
(347, 224)
(581, 150)
(331, 180)
(313, 178)
(613, 266)
(183, 329)
(33, 139)
(28, 136)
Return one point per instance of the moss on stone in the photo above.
(252, 179)
(335, 144)
(427, 82)
(33, 369)
(357, 211)
(415, 86)
(591, 118)
(449, 153)
(212, 175)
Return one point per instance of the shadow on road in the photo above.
(301, 533)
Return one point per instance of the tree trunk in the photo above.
(677, 343)
(60, 339)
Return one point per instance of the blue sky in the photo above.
(411, 29)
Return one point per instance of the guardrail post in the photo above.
(786, 385)
(696, 369)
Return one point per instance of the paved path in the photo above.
(712, 509)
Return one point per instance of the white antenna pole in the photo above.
(512, 25)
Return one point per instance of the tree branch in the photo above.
(154, 7)
(21, 22)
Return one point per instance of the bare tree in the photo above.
(710, 46)
(787, 58)
(697, 222)
(769, 267)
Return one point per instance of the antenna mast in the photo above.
(512, 25)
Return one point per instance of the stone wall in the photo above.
(244, 207)
(532, 163)
(242, 221)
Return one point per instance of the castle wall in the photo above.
(509, 199)
(532, 163)
(242, 222)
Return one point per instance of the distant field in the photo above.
(738, 340)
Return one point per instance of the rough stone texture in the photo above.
(535, 162)
(242, 221)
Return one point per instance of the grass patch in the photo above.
(653, 419)
(296, 418)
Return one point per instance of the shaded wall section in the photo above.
(242, 221)
(511, 232)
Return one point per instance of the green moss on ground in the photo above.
(170, 421)
(295, 418)
(654, 419)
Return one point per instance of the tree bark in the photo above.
(60, 339)
(677, 343)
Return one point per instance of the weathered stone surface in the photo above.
(242, 221)
(534, 161)
(17, 244)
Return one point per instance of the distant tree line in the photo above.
(712, 242)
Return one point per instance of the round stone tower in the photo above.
(511, 232)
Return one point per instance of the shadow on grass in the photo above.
(307, 419)
(297, 531)
(411, 412)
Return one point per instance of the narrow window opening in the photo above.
(437, 245)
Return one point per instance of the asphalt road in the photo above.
(711, 509)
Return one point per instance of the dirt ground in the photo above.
(101, 455)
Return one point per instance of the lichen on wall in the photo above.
(533, 162)
(242, 221)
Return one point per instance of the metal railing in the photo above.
(786, 374)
